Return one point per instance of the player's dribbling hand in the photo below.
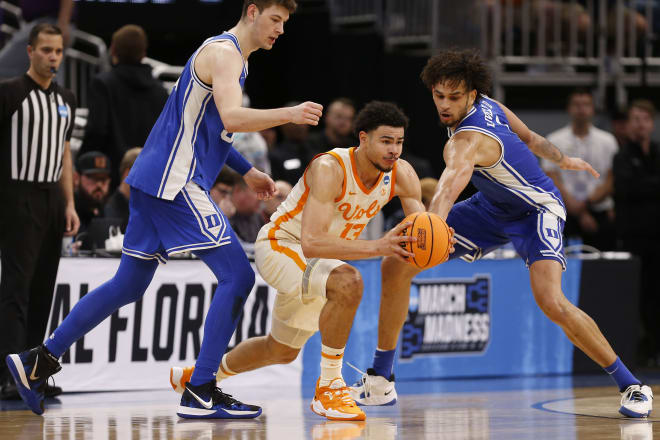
(306, 113)
(260, 183)
(390, 244)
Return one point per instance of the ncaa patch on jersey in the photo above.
(447, 316)
(61, 109)
(386, 180)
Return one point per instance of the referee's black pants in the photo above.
(32, 225)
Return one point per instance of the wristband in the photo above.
(237, 162)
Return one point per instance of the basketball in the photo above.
(432, 245)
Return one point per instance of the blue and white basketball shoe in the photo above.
(207, 401)
(636, 401)
(373, 389)
(31, 370)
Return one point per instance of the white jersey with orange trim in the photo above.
(354, 207)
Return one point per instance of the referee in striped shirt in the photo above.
(36, 196)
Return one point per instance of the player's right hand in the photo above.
(306, 113)
(391, 242)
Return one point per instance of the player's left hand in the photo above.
(261, 183)
(577, 164)
(71, 221)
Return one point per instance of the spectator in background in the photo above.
(222, 190)
(14, 59)
(269, 206)
(270, 136)
(36, 195)
(338, 131)
(247, 220)
(117, 204)
(94, 170)
(125, 102)
(619, 121)
(290, 156)
(588, 201)
(637, 195)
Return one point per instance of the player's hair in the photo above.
(579, 91)
(456, 66)
(42, 28)
(378, 113)
(129, 44)
(290, 5)
(644, 105)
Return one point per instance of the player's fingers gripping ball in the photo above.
(433, 239)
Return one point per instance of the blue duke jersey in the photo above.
(188, 141)
(516, 201)
(515, 183)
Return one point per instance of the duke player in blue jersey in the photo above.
(516, 203)
(171, 210)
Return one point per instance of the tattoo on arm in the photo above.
(548, 151)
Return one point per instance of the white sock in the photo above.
(331, 362)
(224, 371)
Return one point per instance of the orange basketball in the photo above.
(432, 245)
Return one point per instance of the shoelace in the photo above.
(633, 395)
(346, 398)
(364, 382)
(343, 398)
(227, 399)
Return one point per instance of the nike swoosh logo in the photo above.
(207, 405)
(389, 391)
(34, 369)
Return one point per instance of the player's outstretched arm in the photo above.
(542, 147)
(324, 178)
(460, 155)
(221, 65)
(409, 191)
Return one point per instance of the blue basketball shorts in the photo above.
(535, 235)
(158, 228)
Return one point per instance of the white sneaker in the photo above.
(636, 401)
(373, 389)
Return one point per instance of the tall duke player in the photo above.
(171, 210)
(516, 203)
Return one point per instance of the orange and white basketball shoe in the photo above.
(335, 402)
(179, 376)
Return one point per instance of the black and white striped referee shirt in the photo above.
(34, 126)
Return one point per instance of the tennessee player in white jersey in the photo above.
(300, 251)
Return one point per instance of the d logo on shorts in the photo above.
(550, 231)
